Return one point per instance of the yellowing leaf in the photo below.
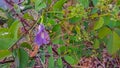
(96, 44)
(103, 32)
(77, 28)
(99, 24)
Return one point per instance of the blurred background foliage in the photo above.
(77, 28)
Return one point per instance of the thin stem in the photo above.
(23, 35)
(41, 62)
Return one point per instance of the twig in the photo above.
(11, 4)
(8, 61)
(41, 62)
(99, 62)
(23, 36)
(22, 19)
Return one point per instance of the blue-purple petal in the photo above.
(42, 36)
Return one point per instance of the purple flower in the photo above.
(42, 36)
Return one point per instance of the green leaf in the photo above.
(4, 33)
(27, 16)
(14, 29)
(51, 21)
(59, 51)
(109, 22)
(99, 24)
(51, 62)
(27, 7)
(49, 1)
(3, 14)
(85, 3)
(27, 2)
(7, 65)
(69, 59)
(77, 28)
(96, 44)
(61, 41)
(39, 4)
(57, 29)
(6, 43)
(50, 50)
(31, 64)
(118, 2)
(59, 63)
(62, 49)
(74, 19)
(116, 42)
(94, 11)
(26, 45)
(113, 43)
(103, 32)
(56, 40)
(23, 58)
(43, 5)
(4, 53)
(117, 30)
(95, 2)
(59, 4)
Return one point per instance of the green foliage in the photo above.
(39, 4)
(4, 53)
(59, 63)
(50, 50)
(69, 59)
(5, 65)
(99, 24)
(95, 2)
(59, 4)
(26, 45)
(13, 30)
(109, 21)
(31, 63)
(22, 58)
(103, 32)
(51, 62)
(77, 28)
(96, 44)
(9, 36)
(113, 43)
(4, 33)
(85, 3)
(51, 59)
(6, 43)
(77, 12)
